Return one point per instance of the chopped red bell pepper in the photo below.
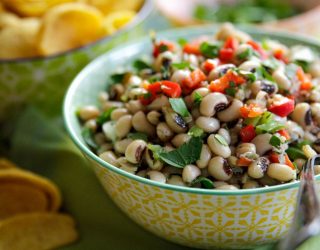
(282, 108)
(284, 133)
(250, 111)
(194, 80)
(154, 88)
(244, 162)
(305, 82)
(274, 158)
(231, 43)
(279, 54)
(162, 46)
(247, 133)
(257, 47)
(209, 65)
(226, 54)
(171, 89)
(221, 84)
(192, 48)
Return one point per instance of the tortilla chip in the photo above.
(16, 177)
(5, 164)
(37, 231)
(18, 198)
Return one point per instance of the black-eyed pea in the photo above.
(175, 122)
(104, 147)
(127, 166)
(112, 104)
(232, 161)
(228, 187)
(220, 70)
(110, 158)
(134, 106)
(243, 48)
(103, 97)
(281, 172)
(208, 124)
(161, 59)
(189, 173)
(151, 162)
(158, 103)
(121, 146)
(219, 169)
(249, 65)
(88, 112)
(314, 69)
(180, 139)
(250, 184)
(205, 157)
(99, 138)
(136, 92)
(142, 173)
(199, 92)
(168, 147)
(141, 124)
(308, 136)
(281, 79)
(135, 150)
(176, 180)
(188, 101)
(212, 103)
(116, 91)
(153, 117)
(232, 112)
(91, 124)
(123, 126)
(262, 143)
(156, 176)
(179, 75)
(164, 132)
(294, 130)
(225, 134)
(302, 114)
(315, 111)
(246, 148)
(217, 147)
(217, 184)
(195, 112)
(117, 113)
(258, 168)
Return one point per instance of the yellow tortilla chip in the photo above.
(37, 231)
(19, 39)
(30, 8)
(17, 178)
(109, 6)
(5, 164)
(69, 26)
(117, 20)
(19, 198)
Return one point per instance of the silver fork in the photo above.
(306, 220)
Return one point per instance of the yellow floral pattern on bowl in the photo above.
(202, 221)
(198, 218)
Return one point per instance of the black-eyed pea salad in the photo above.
(218, 112)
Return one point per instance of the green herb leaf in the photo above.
(118, 77)
(196, 131)
(156, 150)
(271, 63)
(262, 73)
(266, 117)
(179, 106)
(197, 98)
(210, 49)
(153, 79)
(87, 135)
(140, 65)
(252, 121)
(245, 54)
(231, 91)
(105, 116)
(249, 76)
(187, 153)
(270, 127)
(181, 65)
(182, 41)
(163, 48)
(221, 139)
(205, 182)
(275, 141)
(138, 136)
(295, 153)
(303, 64)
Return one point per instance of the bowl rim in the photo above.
(77, 82)
(145, 10)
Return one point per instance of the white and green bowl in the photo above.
(42, 81)
(192, 217)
